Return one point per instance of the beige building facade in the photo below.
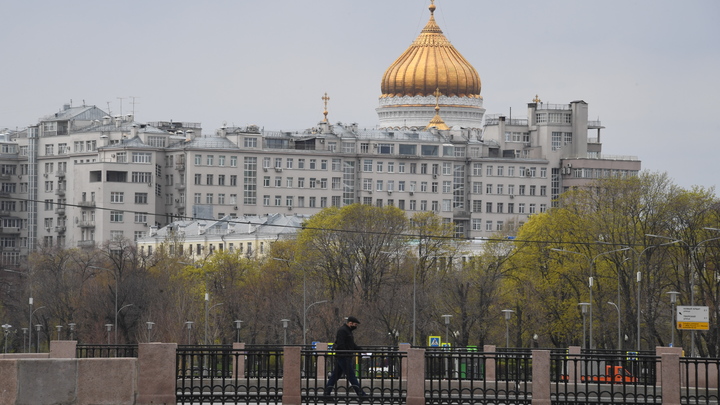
(81, 178)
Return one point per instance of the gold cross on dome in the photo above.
(536, 99)
(325, 98)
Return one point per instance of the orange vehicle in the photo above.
(613, 375)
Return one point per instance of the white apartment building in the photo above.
(81, 178)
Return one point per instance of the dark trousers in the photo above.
(343, 365)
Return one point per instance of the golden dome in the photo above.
(431, 63)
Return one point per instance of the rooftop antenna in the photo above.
(109, 111)
(121, 103)
(133, 104)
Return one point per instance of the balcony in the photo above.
(10, 231)
(179, 204)
(60, 211)
(86, 224)
(60, 173)
(60, 192)
(179, 186)
(86, 204)
(5, 213)
(86, 243)
(4, 177)
(180, 167)
(457, 214)
(60, 229)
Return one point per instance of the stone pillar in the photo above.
(573, 360)
(156, 373)
(415, 372)
(659, 351)
(490, 363)
(670, 375)
(239, 361)
(63, 349)
(404, 347)
(321, 360)
(291, 375)
(540, 377)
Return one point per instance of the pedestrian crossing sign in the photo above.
(434, 341)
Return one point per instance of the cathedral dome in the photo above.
(431, 63)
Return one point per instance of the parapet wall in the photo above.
(59, 378)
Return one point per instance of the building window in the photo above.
(117, 197)
(116, 216)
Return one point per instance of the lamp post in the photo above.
(38, 327)
(591, 262)
(207, 312)
(59, 328)
(108, 326)
(305, 306)
(24, 335)
(149, 329)
(72, 330)
(508, 313)
(30, 326)
(584, 307)
(6, 328)
(673, 302)
(285, 326)
(188, 325)
(238, 324)
(619, 343)
(305, 317)
(116, 297)
(447, 325)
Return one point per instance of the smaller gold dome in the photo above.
(431, 63)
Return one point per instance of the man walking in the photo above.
(344, 343)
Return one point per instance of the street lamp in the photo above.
(108, 326)
(584, 306)
(38, 327)
(30, 326)
(619, 344)
(116, 297)
(591, 262)
(59, 328)
(285, 326)
(189, 325)
(72, 329)
(673, 317)
(149, 324)
(25, 330)
(305, 306)
(6, 327)
(305, 317)
(508, 313)
(238, 324)
(207, 312)
(447, 324)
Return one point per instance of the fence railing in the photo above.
(90, 351)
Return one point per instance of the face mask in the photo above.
(353, 327)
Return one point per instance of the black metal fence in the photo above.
(605, 378)
(91, 351)
(469, 376)
(700, 379)
(223, 375)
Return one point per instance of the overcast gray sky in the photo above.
(649, 69)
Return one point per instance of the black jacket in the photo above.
(344, 339)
